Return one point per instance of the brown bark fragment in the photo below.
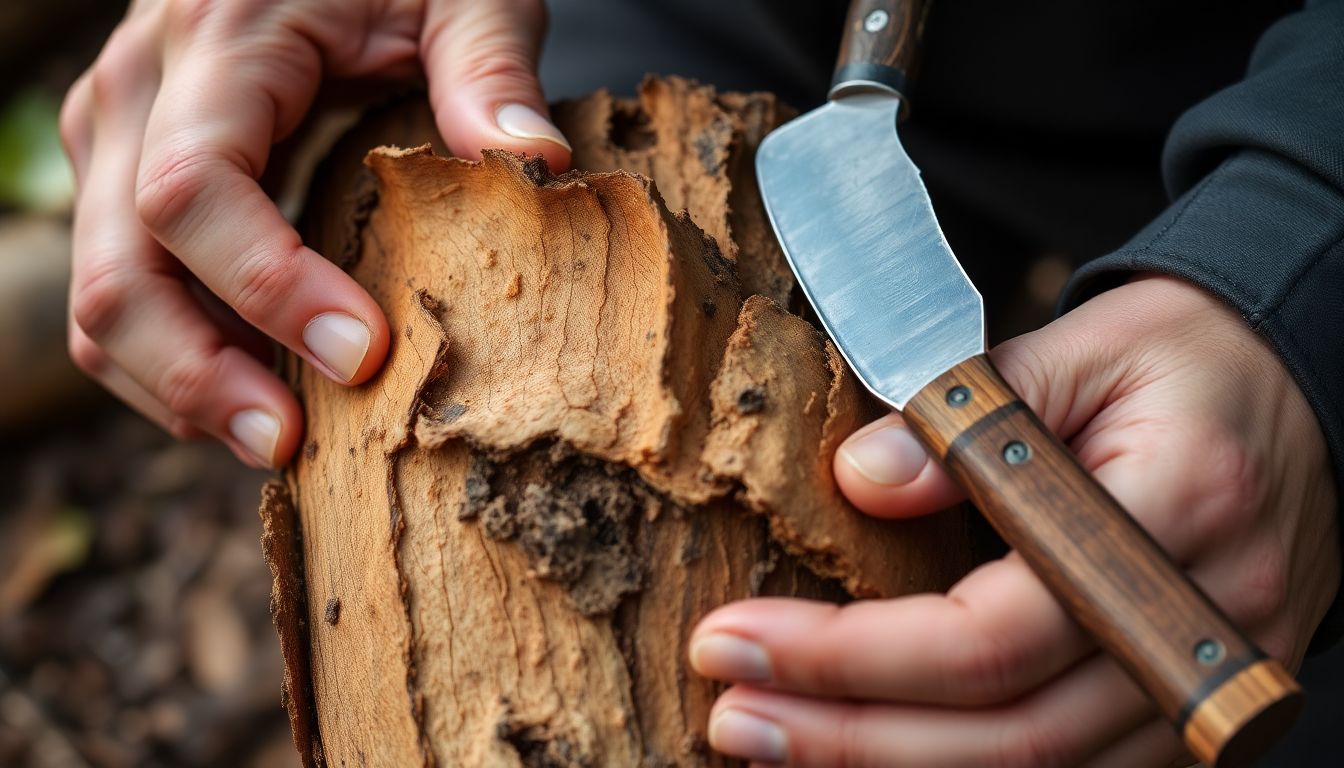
(279, 545)
(582, 442)
(767, 439)
(697, 144)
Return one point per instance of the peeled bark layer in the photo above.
(590, 431)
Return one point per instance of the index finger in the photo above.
(221, 106)
(997, 634)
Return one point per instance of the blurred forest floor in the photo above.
(134, 628)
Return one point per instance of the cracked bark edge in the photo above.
(430, 307)
(455, 422)
(415, 697)
(280, 546)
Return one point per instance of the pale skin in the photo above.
(1189, 419)
(184, 272)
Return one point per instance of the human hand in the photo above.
(182, 265)
(1192, 423)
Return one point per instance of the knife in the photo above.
(857, 227)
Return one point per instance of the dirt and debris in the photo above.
(332, 613)
(630, 129)
(365, 200)
(751, 400)
(722, 267)
(574, 517)
(539, 745)
(146, 641)
(452, 412)
(711, 145)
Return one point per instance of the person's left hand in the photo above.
(1192, 423)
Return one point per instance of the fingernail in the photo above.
(523, 122)
(744, 735)
(258, 431)
(887, 456)
(339, 341)
(729, 657)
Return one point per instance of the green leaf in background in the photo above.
(34, 174)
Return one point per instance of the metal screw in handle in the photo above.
(1016, 452)
(1209, 652)
(958, 396)
(876, 20)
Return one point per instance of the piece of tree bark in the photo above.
(586, 437)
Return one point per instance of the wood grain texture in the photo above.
(557, 473)
(1106, 570)
(1241, 719)
(894, 44)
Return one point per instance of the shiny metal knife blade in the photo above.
(856, 224)
(857, 227)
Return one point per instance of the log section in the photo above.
(598, 421)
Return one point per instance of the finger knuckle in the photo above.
(1028, 744)
(983, 672)
(817, 668)
(99, 297)
(168, 186)
(86, 355)
(73, 123)
(506, 66)
(264, 281)
(1263, 593)
(854, 747)
(187, 14)
(1230, 484)
(108, 78)
(1027, 367)
(120, 65)
(187, 382)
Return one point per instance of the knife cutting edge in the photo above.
(857, 227)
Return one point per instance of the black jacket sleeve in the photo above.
(1257, 175)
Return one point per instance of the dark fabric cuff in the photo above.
(1267, 236)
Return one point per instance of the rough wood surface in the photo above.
(586, 436)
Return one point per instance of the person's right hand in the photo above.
(182, 265)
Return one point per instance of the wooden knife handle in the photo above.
(880, 46)
(1227, 699)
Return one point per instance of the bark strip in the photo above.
(598, 421)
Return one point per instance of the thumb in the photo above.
(1058, 372)
(481, 62)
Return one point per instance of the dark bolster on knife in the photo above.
(891, 77)
(881, 43)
